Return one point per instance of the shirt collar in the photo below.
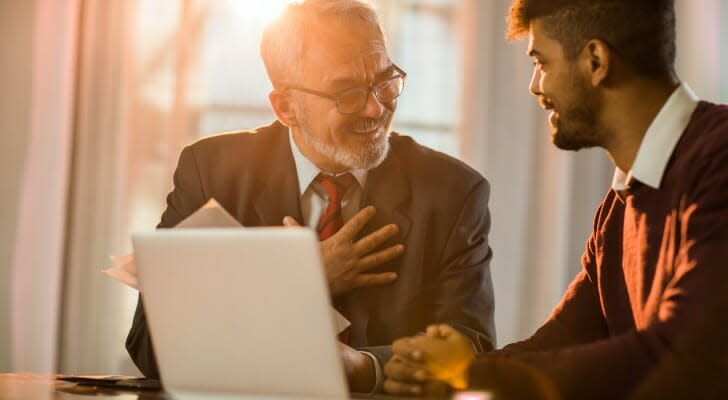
(660, 140)
(307, 170)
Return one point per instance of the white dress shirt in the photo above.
(313, 195)
(659, 141)
(313, 201)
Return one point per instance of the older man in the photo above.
(645, 316)
(404, 229)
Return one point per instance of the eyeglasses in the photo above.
(352, 101)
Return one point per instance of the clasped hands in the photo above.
(347, 262)
(430, 364)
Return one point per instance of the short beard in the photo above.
(368, 156)
(577, 127)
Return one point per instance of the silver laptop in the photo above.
(239, 313)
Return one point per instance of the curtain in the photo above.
(91, 329)
(136, 97)
(702, 47)
(37, 266)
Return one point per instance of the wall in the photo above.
(702, 47)
(16, 37)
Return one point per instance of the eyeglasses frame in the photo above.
(371, 89)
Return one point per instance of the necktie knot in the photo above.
(336, 186)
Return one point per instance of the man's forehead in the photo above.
(353, 44)
(377, 46)
(347, 58)
(369, 67)
(370, 54)
(534, 37)
(539, 43)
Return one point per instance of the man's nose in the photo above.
(535, 86)
(373, 108)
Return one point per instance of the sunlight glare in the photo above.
(259, 12)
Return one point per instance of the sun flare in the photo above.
(258, 11)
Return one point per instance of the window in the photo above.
(423, 40)
(224, 85)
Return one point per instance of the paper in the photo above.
(211, 215)
(340, 323)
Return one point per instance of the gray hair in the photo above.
(283, 44)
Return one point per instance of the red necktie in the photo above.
(336, 187)
(332, 220)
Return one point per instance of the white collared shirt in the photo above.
(659, 141)
(313, 196)
(313, 199)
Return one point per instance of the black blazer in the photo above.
(440, 205)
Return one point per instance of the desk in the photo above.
(29, 386)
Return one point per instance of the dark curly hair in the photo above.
(641, 32)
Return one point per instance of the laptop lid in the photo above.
(239, 311)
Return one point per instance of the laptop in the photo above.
(239, 313)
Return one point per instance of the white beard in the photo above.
(369, 156)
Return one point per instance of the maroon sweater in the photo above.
(654, 262)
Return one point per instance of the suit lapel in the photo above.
(278, 196)
(389, 191)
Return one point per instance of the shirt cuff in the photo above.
(378, 372)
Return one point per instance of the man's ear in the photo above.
(596, 58)
(283, 107)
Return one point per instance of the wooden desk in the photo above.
(28, 386)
